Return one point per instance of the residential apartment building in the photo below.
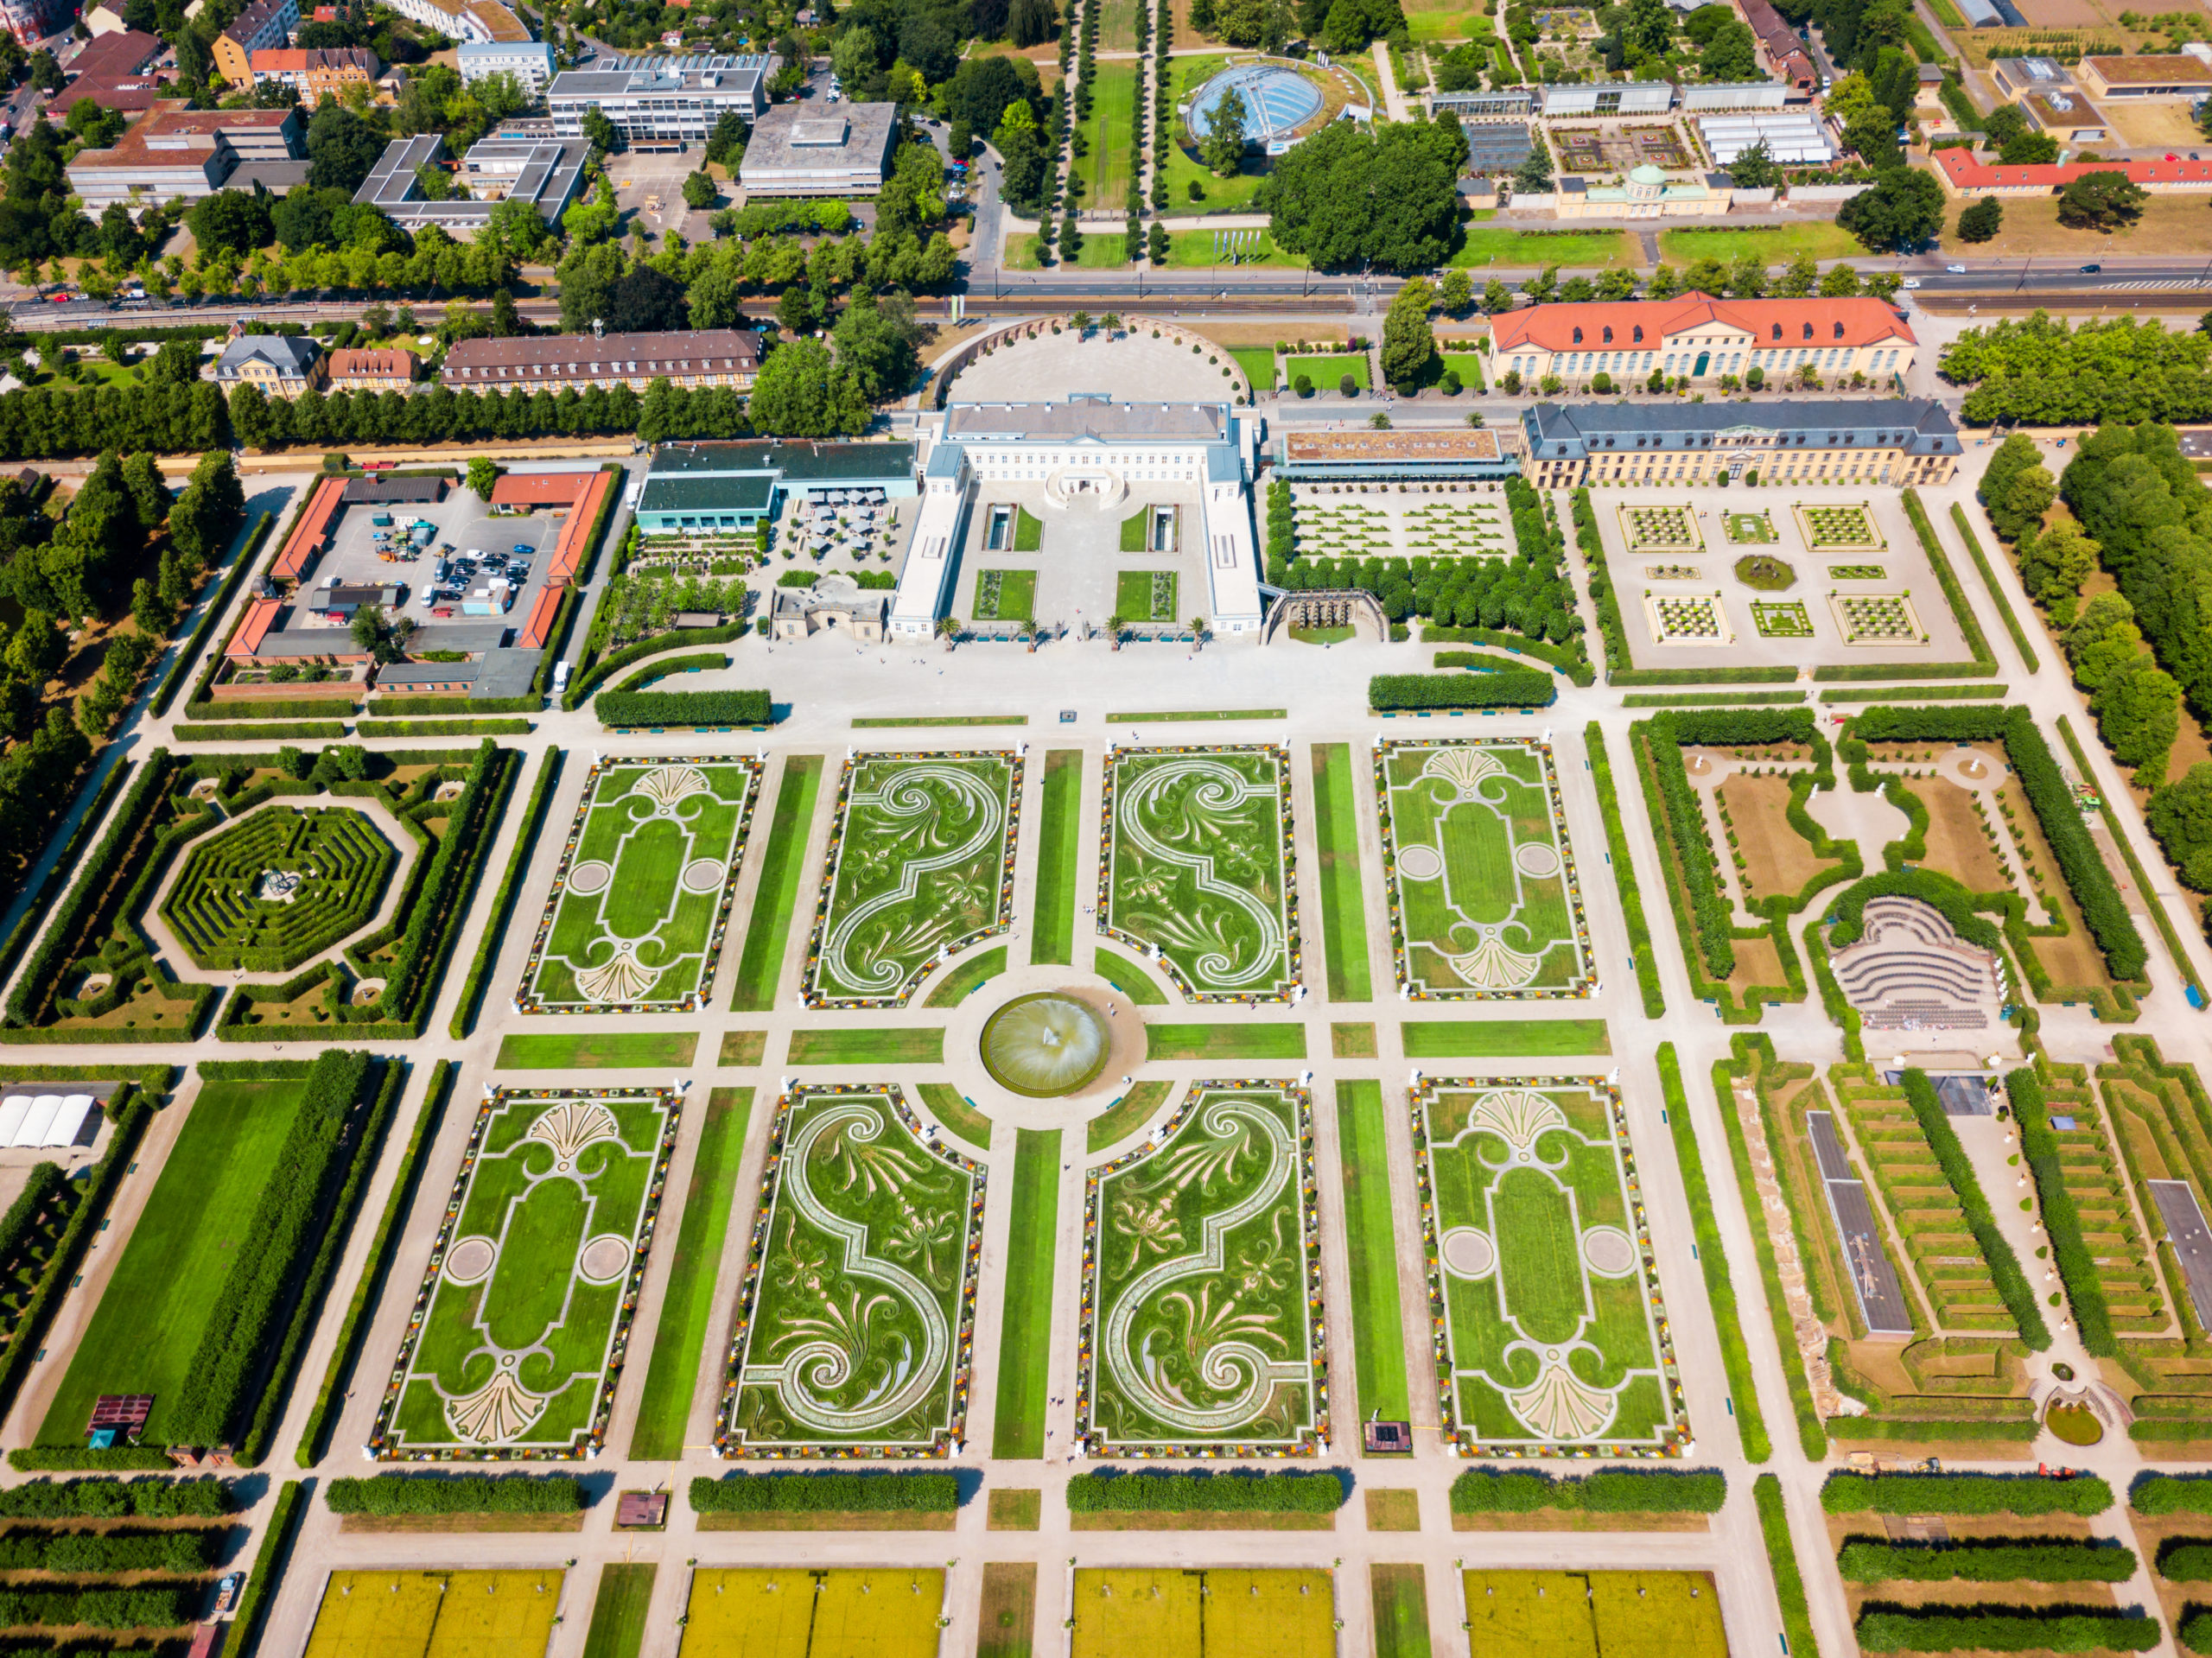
(466, 20)
(662, 103)
(1700, 339)
(177, 151)
(311, 72)
(32, 21)
(530, 62)
(284, 366)
(1967, 173)
(388, 369)
(262, 25)
(727, 356)
(1898, 441)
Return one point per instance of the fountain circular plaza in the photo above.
(1045, 1044)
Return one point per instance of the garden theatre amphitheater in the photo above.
(1090, 455)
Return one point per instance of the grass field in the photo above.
(1025, 251)
(1013, 1510)
(1195, 716)
(869, 1046)
(598, 1050)
(1775, 245)
(1343, 906)
(1327, 373)
(149, 1323)
(680, 1337)
(953, 1112)
(1008, 1617)
(1129, 978)
(790, 1612)
(618, 1616)
(1258, 363)
(1104, 168)
(1137, 599)
(1400, 1595)
(1128, 1115)
(2170, 225)
(1014, 599)
(1352, 1041)
(1517, 1039)
(743, 1047)
(1275, 1039)
(962, 981)
(1533, 250)
(1377, 1325)
(768, 934)
(1652, 1614)
(1164, 1611)
(1059, 827)
(445, 1614)
(942, 720)
(1206, 250)
(1446, 20)
(642, 899)
(1103, 249)
(1468, 364)
(1026, 1328)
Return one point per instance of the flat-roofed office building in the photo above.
(536, 170)
(840, 149)
(662, 103)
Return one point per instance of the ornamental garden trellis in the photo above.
(479, 1373)
(1539, 1351)
(1454, 795)
(856, 1330)
(886, 915)
(1195, 877)
(604, 863)
(1209, 1340)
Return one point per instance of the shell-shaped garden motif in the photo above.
(667, 786)
(623, 979)
(496, 1412)
(1495, 965)
(1517, 1116)
(572, 1124)
(1561, 1406)
(1462, 766)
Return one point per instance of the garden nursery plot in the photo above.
(524, 1313)
(1167, 1613)
(436, 1613)
(1554, 1614)
(642, 898)
(920, 864)
(1484, 901)
(855, 1329)
(278, 888)
(1199, 867)
(1202, 1334)
(790, 1612)
(1550, 1336)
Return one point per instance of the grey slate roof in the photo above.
(1918, 425)
(1086, 417)
(287, 353)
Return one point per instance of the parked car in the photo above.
(1910, 281)
(1957, 271)
(2091, 269)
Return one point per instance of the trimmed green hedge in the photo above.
(2156, 1494)
(442, 728)
(399, 1494)
(1781, 1558)
(1989, 580)
(2196, 1631)
(705, 662)
(1566, 659)
(116, 1499)
(2006, 1629)
(886, 1493)
(583, 684)
(2077, 1265)
(313, 730)
(1288, 1492)
(1625, 1490)
(634, 708)
(152, 1606)
(2186, 1559)
(392, 705)
(1988, 1559)
(64, 867)
(1714, 926)
(73, 1458)
(87, 1553)
(1966, 1494)
(174, 680)
(1507, 688)
(268, 1570)
(1641, 949)
(2012, 1286)
(297, 708)
(503, 901)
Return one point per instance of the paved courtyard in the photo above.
(1134, 368)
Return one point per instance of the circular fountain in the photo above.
(1046, 1045)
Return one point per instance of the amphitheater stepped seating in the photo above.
(1910, 970)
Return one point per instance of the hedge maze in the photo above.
(855, 1330)
(1484, 901)
(523, 1318)
(279, 887)
(1201, 1330)
(642, 898)
(1550, 1334)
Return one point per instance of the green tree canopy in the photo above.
(803, 392)
(1388, 198)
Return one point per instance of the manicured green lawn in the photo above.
(1503, 1038)
(1051, 934)
(1258, 363)
(1540, 1265)
(1133, 596)
(868, 1046)
(1187, 717)
(1102, 250)
(1216, 195)
(1468, 365)
(148, 1325)
(1275, 1039)
(950, 1107)
(1126, 1116)
(1026, 1328)
(1327, 373)
(1024, 252)
(963, 979)
(1017, 596)
(680, 1338)
(1775, 245)
(1401, 1608)
(1126, 977)
(1344, 908)
(744, 1047)
(1189, 249)
(618, 1617)
(597, 1051)
(1104, 169)
(1377, 1326)
(774, 906)
(1528, 251)
(941, 720)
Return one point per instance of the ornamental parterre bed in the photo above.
(1837, 526)
(1687, 619)
(1484, 904)
(1785, 619)
(920, 864)
(1650, 528)
(1885, 619)
(641, 901)
(856, 1328)
(520, 1331)
(1200, 870)
(1550, 1335)
(1201, 1330)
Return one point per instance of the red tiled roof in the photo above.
(260, 616)
(112, 57)
(567, 551)
(541, 488)
(535, 631)
(1966, 172)
(383, 363)
(1551, 327)
(313, 531)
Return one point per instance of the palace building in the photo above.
(1898, 441)
(1699, 338)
